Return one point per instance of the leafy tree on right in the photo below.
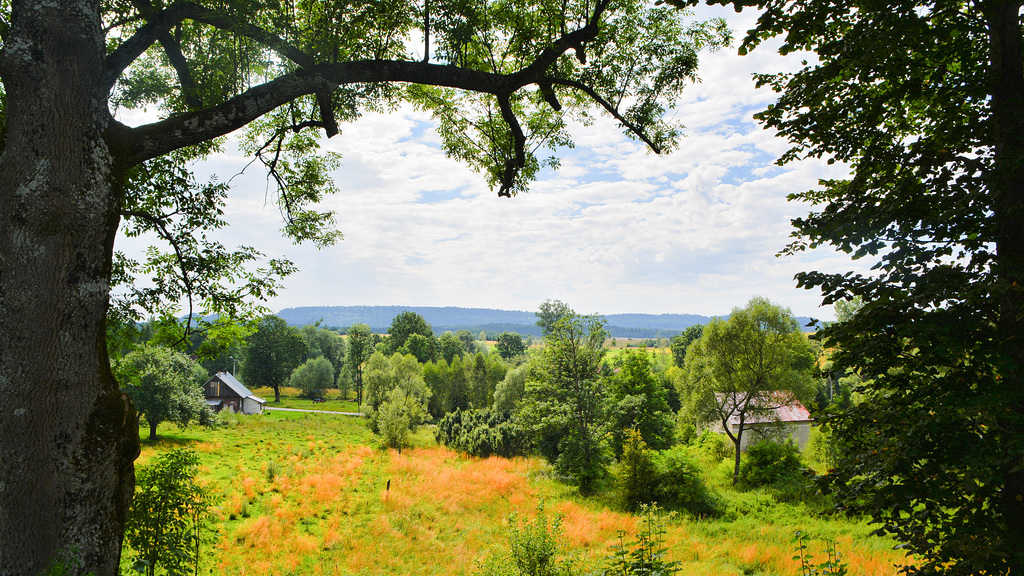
(924, 101)
(744, 368)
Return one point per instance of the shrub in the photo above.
(168, 514)
(637, 474)
(681, 487)
(770, 463)
(534, 550)
(713, 447)
(482, 433)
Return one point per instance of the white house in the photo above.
(786, 417)
(225, 391)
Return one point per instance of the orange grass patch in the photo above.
(588, 528)
(263, 533)
(456, 482)
(208, 447)
(249, 486)
(874, 564)
(325, 487)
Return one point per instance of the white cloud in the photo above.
(616, 230)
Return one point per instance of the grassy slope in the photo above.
(306, 494)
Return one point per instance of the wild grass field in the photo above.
(313, 494)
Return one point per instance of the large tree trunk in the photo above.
(68, 437)
(1007, 184)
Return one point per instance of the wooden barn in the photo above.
(225, 391)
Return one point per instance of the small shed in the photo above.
(787, 418)
(223, 390)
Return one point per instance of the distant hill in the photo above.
(490, 320)
(486, 319)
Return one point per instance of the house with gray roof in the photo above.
(223, 390)
(780, 415)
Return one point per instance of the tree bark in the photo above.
(68, 436)
(737, 443)
(152, 430)
(1007, 185)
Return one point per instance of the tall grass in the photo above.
(336, 504)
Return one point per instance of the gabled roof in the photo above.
(785, 408)
(237, 387)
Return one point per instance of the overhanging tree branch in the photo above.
(608, 107)
(191, 128)
(163, 21)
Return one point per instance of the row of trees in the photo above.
(165, 384)
(314, 359)
(578, 407)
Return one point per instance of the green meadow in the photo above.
(314, 494)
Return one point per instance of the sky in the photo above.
(615, 230)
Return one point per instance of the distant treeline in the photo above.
(490, 321)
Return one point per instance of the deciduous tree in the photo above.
(681, 342)
(395, 390)
(360, 347)
(550, 312)
(272, 352)
(405, 325)
(449, 346)
(637, 402)
(566, 402)
(510, 345)
(746, 367)
(314, 377)
(165, 386)
(326, 343)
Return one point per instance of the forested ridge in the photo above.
(455, 318)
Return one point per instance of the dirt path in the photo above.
(314, 411)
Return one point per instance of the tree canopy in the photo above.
(745, 367)
(510, 345)
(313, 377)
(549, 312)
(274, 350)
(165, 386)
(566, 401)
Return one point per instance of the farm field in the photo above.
(308, 494)
(290, 398)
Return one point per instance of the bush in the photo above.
(822, 448)
(681, 487)
(713, 447)
(482, 433)
(313, 378)
(638, 476)
(167, 518)
(534, 550)
(770, 463)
